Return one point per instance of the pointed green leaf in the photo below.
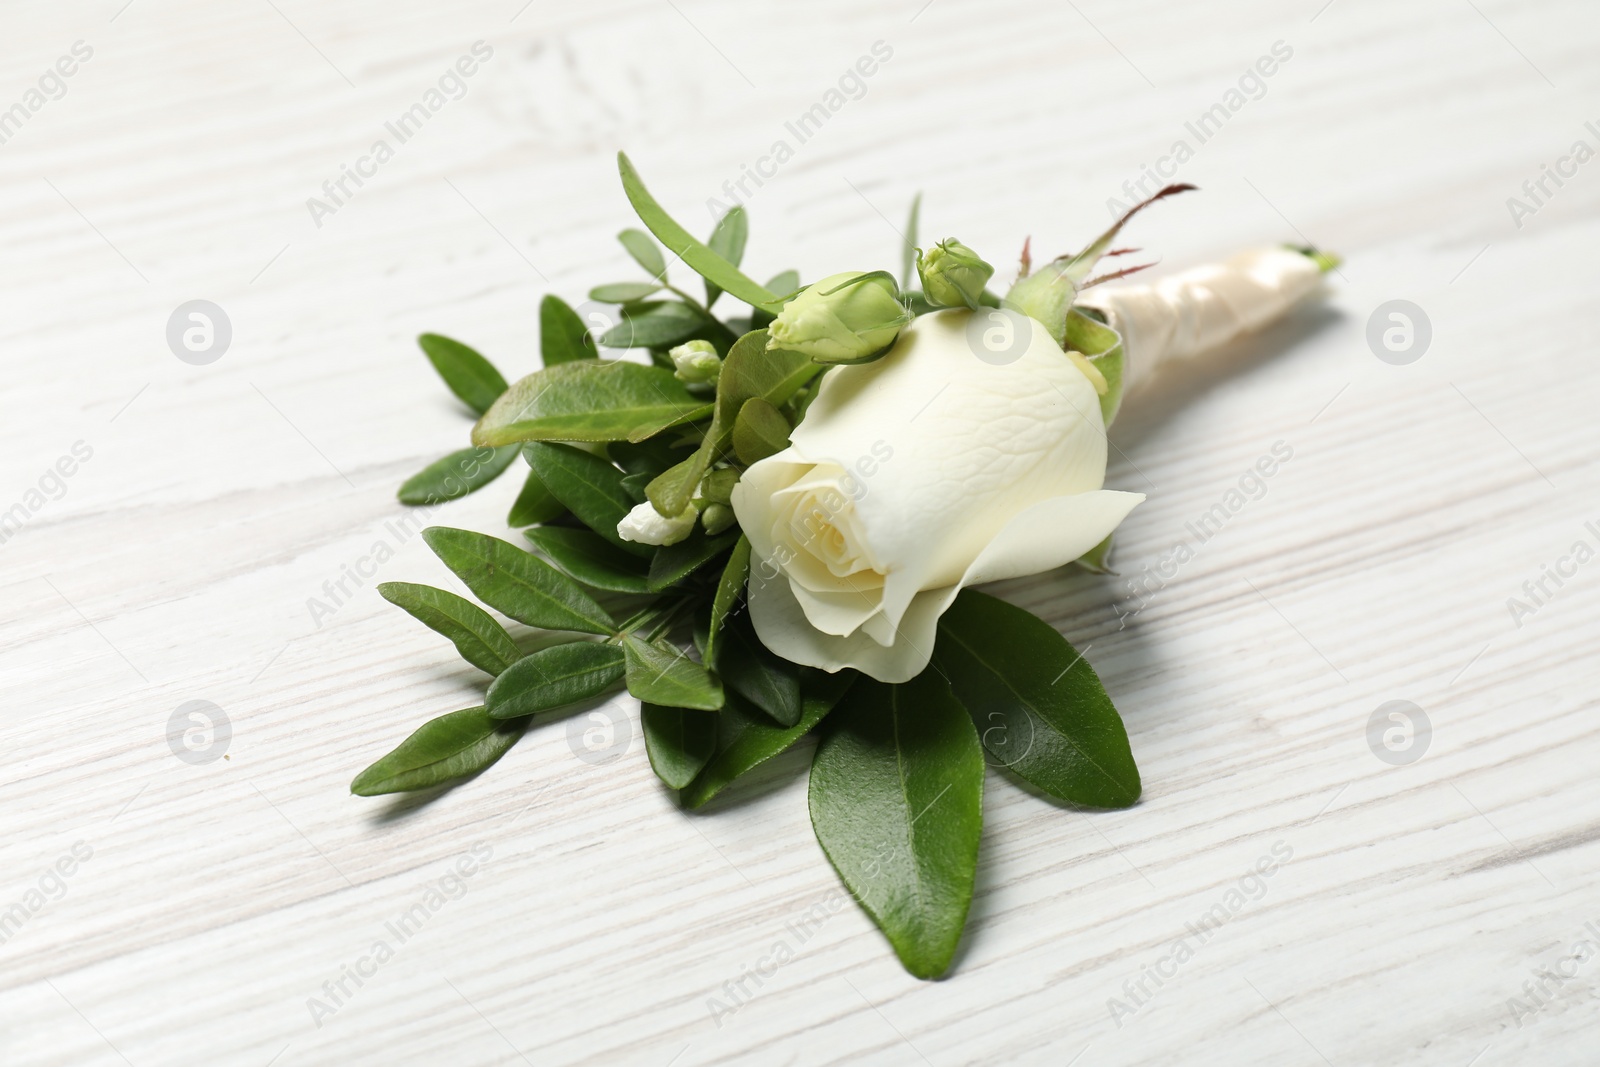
(766, 680)
(896, 801)
(647, 457)
(534, 504)
(671, 491)
(654, 325)
(590, 559)
(673, 563)
(635, 485)
(470, 377)
(563, 336)
(659, 672)
(1038, 705)
(728, 241)
(746, 738)
(456, 475)
(589, 486)
(759, 431)
(553, 678)
(678, 741)
(517, 583)
(623, 293)
(785, 284)
(908, 247)
(588, 400)
(730, 591)
(644, 251)
(700, 259)
(481, 641)
(753, 370)
(446, 749)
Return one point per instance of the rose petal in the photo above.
(1048, 535)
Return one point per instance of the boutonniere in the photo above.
(768, 523)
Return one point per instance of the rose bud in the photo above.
(952, 274)
(646, 526)
(717, 518)
(845, 318)
(696, 362)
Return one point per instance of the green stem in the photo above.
(704, 311)
(667, 620)
(658, 616)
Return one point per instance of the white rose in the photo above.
(647, 526)
(916, 475)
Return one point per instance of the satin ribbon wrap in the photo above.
(1200, 310)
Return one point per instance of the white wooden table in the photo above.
(212, 906)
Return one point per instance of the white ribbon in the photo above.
(1200, 310)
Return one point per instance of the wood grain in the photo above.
(605, 926)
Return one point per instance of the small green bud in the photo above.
(845, 318)
(696, 362)
(717, 486)
(953, 275)
(717, 518)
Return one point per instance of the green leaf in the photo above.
(590, 487)
(700, 259)
(654, 325)
(471, 377)
(728, 241)
(746, 738)
(446, 749)
(752, 370)
(659, 672)
(1038, 705)
(591, 560)
(748, 372)
(563, 336)
(623, 293)
(730, 589)
(589, 400)
(897, 803)
(908, 248)
(635, 485)
(759, 431)
(763, 678)
(673, 563)
(1103, 346)
(456, 475)
(517, 583)
(678, 741)
(646, 457)
(481, 641)
(644, 252)
(785, 285)
(677, 484)
(534, 504)
(553, 678)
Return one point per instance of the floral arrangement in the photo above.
(769, 529)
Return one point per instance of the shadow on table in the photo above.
(1155, 402)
